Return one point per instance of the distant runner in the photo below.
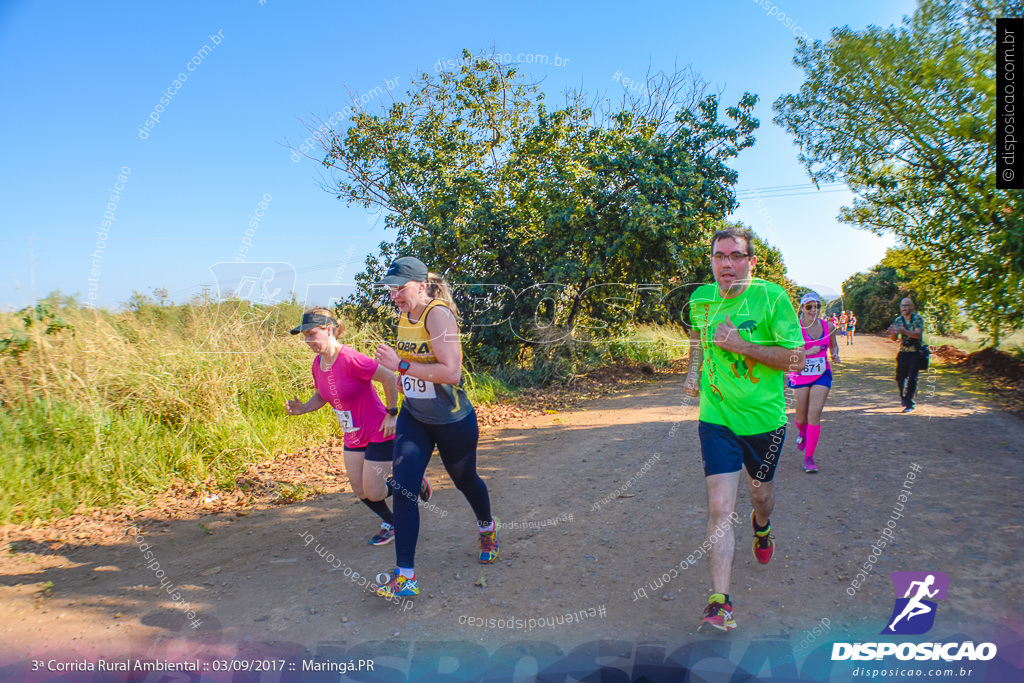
(851, 327)
(745, 337)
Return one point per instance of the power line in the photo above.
(798, 186)
(790, 194)
(308, 269)
(790, 190)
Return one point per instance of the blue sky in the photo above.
(80, 79)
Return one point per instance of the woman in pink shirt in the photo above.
(812, 384)
(343, 378)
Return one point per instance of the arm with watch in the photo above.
(447, 349)
(388, 380)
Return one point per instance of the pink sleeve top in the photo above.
(348, 387)
(816, 364)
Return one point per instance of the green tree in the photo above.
(545, 211)
(834, 307)
(874, 297)
(904, 116)
(916, 268)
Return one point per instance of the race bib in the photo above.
(417, 388)
(345, 421)
(814, 367)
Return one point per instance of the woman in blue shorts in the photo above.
(811, 385)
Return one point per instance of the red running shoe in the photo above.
(763, 544)
(717, 616)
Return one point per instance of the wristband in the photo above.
(393, 412)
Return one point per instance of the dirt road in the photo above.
(572, 544)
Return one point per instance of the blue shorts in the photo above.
(377, 452)
(824, 381)
(723, 452)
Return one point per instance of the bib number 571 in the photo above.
(814, 367)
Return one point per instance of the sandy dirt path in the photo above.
(572, 545)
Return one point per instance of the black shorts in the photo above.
(377, 452)
(723, 452)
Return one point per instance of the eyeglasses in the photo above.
(395, 289)
(736, 257)
(810, 306)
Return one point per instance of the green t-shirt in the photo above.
(910, 344)
(736, 391)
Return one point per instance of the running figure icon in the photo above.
(915, 607)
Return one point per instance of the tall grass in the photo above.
(656, 345)
(561, 356)
(103, 409)
(974, 340)
(115, 407)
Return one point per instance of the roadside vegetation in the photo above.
(103, 409)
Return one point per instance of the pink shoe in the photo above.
(809, 466)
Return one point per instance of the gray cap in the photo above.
(405, 269)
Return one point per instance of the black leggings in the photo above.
(907, 366)
(414, 445)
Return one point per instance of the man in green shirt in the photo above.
(908, 327)
(745, 337)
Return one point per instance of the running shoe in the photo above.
(386, 535)
(399, 586)
(717, 616)
(809, 466)
(763, 544)
(426, 490)
(489, 544)
(801, 442)
(909, 409)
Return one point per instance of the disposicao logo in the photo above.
(913, 614)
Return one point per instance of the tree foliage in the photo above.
(548, 219)
(875, 296)
(904, 116)
(916, 270)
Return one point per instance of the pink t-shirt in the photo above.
(349, 390)
(816, 364)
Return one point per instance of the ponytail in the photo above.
(437, 288)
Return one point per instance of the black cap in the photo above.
(311, 320)
(405, 269)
